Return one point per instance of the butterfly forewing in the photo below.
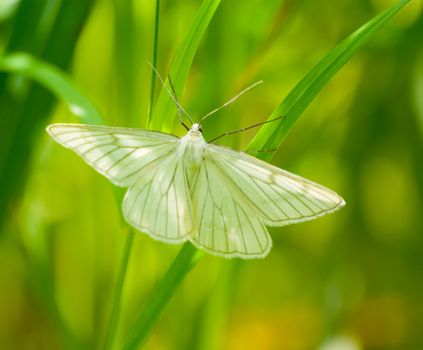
(279, 197)
(117, 153)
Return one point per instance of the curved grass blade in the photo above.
(60, 85)
(54, 80)
(271, 135)
(164, 118)
(165, 111)
(186, 259)
(49, 29)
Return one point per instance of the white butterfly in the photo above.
(187, 189)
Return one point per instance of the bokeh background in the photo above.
(351, 280)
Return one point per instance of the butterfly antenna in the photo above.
(247, 128)
(180, 108)
(178, 104)
(233, 99)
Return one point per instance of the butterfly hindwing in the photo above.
(226, 224)
(159, 202)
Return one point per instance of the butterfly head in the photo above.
(196, 129)
(195, 133)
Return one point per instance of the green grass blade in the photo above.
(54, 80)
(54, 37)
(271, 135)
(117, 299)
(154, 62)
(184, 262)
(165, 110)
(163, 119)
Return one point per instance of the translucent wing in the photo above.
(227, 224)
(235, 195)
(159, 203)
(279, 197)
(149, 163)
(117, 153)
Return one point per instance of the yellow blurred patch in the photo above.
(389, 198)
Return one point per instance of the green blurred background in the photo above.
(351, 280)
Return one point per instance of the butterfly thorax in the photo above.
(192, 147)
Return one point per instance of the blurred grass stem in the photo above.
(153, 309)
(154, 63)
(117, 300)
(111, 332)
